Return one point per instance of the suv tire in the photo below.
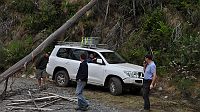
(62, 78)
(115, 86)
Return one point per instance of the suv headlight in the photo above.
(132, 74)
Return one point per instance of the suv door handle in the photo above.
(67, 63)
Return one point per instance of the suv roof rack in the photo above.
(87, 42)
(69, 43)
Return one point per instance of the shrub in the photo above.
(23, 6)
(17, 49)
(2, 58)
(70, 9)
(42, 19)
(2, 2)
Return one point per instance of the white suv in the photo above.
(109, 70)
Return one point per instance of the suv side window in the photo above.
(93, 56)
(77, 52)
(64, 53)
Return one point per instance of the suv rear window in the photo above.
(77, 52)
(64, 53)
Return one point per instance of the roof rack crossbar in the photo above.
(87, 42)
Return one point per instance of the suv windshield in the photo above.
(113, 57)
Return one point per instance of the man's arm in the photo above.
(154, 77)
(37, 62)
(153, 80)
(144, 66)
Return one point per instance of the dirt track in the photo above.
(100, 100)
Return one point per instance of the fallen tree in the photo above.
(23, 62)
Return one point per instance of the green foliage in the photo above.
(2, 58)
(190, 9)
(17, 49)
(188, 52)
(155, 34)
(184, 4)
(183, 83)
(132, 54)
(23, 6)
(194, 17)
(69, 9)
(162, 71)
(43, 19)
(2, 2)
(50, 16)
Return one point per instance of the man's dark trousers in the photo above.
(146, 90)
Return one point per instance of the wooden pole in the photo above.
(20, 64)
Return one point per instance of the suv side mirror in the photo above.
(100, 61)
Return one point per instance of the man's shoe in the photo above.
(78, 108)
(82, 108)
(144, 110)
(44, 87)
(85, 108)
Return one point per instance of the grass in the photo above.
(135, 102)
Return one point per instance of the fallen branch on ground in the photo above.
(33, 100)
(2, 96)
(74, 99)
(46, 104)
(36, 99)
(14, 104)
(30, 108)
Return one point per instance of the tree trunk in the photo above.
(20, 64)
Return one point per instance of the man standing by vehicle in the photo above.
(149, 80)
(40, 65)
(82, 78)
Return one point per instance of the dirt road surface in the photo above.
(100, 100)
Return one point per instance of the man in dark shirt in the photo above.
(82, 78)
(40, 65)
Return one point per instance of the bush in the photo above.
(2, 58)
(48, 17)
(195, 17)
(23, 6)
(187, 54)
(184, 85)
(42, 19)
(2, 2)
(70, 9)
(17, 49)
(154, 34)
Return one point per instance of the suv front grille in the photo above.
(141, 75)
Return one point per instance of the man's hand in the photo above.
(151, 86)
(144, 63)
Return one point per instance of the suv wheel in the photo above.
(62, 78)
(115, 86)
